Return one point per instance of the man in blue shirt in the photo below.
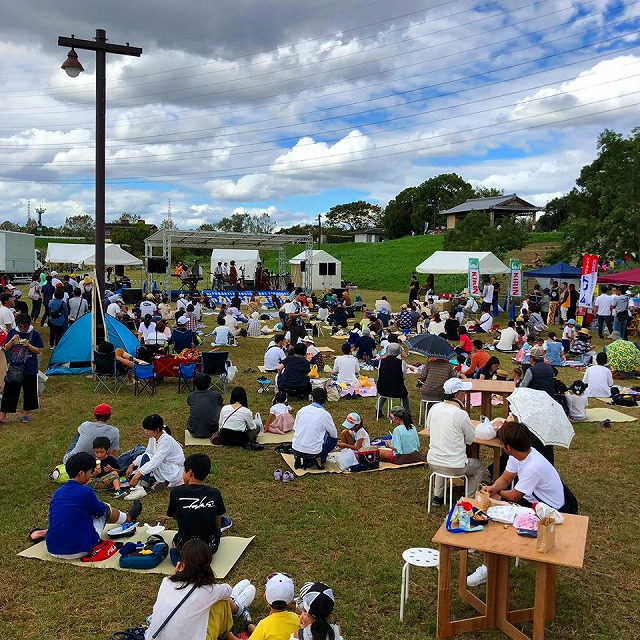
(76, 516)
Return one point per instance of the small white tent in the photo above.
(326, 270)
(84, 254)
(445, 262)
(246, 259)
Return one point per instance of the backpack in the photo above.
(624, 400)
(136, 555)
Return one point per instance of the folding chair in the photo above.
(186, 377)
(214, 363)
(145, 379)
(105, 370)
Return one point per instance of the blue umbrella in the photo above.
(431, 346)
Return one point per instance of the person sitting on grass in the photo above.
(479, 358)
(537, 481)
(490, 368)
(209, 609)
(76, 516)
(237, 426)
(346, 366)
(404, 447)
(315, 603)
(280, 624)
(89, 430)
(554, 353)
(160, 465)
(222, 335)
(354, 436)
(293, 376)
(204, 408)
(365, 345)
(197, 507)
(280, 419)
(107, 472)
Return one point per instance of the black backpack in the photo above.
(624, 400)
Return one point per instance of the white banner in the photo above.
(474, 277)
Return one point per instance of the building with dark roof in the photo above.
(497, 207)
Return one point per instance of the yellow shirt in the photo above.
(277, 626)
(567, 302)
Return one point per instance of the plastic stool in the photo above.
(418, 557)
(389, 405)
(449, 480)
(426, 404)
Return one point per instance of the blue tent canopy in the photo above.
(73, 354)
(557, 271)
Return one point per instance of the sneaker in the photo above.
(239, 588)
(135, 493)
(246, 619)
(287, 476)
(437, 501)
(245, 598)
(159, 486)
(225, 524)
(478, 577)
(277, 474)
(120, 493)
(135, 510)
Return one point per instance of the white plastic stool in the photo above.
(418, 557)
(449, 480)
(425, 404)
(389, 405)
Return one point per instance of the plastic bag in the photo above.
(313, 373)
(485, 431)
(231, 372)
(258, 421)
(345, 458)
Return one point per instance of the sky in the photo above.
(293, 107)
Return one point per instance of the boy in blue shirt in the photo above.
(76, 516)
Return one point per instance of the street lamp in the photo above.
(73, 68)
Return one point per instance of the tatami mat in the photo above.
(333, 467)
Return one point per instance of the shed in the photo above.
(368, 235)
(246, 260)
(496, 207)
(326, 270)
(443, 262)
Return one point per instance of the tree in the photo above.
(132, 236)
(236, 222)
(476, 233)
(262, 223)
(7, 225)
(397, 214)
(355, 215)
(168, 224)
(557, 212)
(81, 226)
(131, 218)
(487, 192)
(207, 227)
(604, 207)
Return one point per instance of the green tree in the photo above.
(206, 226)
(487, 192)
(557, 212)
(132, 218)
(82, 226)
(236, 222)
(132, 237)
(7, 225)
(168, 224)
(396, 219)
(262, 223)
(355, 215)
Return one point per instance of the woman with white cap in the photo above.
(315, 603)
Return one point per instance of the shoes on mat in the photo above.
(135, 493)
(478, 577)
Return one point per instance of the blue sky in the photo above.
(293, 108)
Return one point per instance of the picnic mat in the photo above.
(274, 438)
(263, 335)
(598, 414)
(229, 552)
(190, 441)
(325, 349)
(333, 467)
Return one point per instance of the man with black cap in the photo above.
(89, 430)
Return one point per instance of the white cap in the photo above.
(183, 320)
(279, 588)
(453, 385)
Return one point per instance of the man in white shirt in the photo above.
(602, 309)
(114, 309)
(182, 302)
(485, 323)
(487, 295)
(450, 431)
(508, 337)
(599, 378)
(471, 308)
(314, 432)
(7, 317)
(347, 366)
(54, 279)
(148, 306)
(275, 354)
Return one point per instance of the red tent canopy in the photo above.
(631, 277)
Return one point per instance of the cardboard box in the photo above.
(443, 305)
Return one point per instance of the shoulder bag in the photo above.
(17, 365)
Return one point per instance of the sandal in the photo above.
(33, 540)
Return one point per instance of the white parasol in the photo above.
(543, 415)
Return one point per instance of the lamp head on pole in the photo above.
(72, 65)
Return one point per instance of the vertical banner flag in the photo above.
(588, 280)
(474, 277)
(515, 286)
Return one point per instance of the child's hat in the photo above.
(571, 321)
(319, 600)
(279, 589)
(578, 387)
(352, 420)
(103, 409)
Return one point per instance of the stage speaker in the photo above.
(157, 265)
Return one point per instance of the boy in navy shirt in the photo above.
(76, 516)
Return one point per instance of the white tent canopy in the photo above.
(246, 259)
(447, 262)
(84, 254)
(326, 271)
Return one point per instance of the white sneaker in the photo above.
(239, 588)
(135, 493)
(245, 597)
(478, 577)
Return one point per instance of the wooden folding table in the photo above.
(487, 388)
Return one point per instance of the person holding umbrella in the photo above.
(433, 374)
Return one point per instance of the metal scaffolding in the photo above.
(166, 239)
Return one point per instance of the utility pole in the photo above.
(319, 229)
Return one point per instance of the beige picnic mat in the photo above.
(597, 414)
(190, 441)
(325, 349)
(333, 467)
(229, 552)
(274, 438)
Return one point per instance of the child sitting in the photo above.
(354, 334)
(107, 472)
(280, 418)
(354, 436)
(554, 351)
(577, 402)
(197, 507)
(280, 624)
(315, 603)
(461, 360)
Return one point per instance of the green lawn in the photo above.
(347, 530)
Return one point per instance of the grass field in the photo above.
(347, 530)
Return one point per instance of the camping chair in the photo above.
(214, 363)
(186, 376)
(144, 379)
(105, 370)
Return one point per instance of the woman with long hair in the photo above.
(405, 444)
(237, 427)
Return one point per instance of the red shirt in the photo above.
(465, 343)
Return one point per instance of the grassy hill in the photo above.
(387, 266)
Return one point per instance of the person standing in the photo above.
(573, 302)
(554, 302)
(496, 296)
(295, 318)
(233, 274)
(487, 295)
(414, 288)
(78, 306)
(35, 295)
(58, 317)
(565, 301)
(218, 274)
(620, 311)
(602, 308)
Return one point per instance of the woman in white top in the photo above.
(161, 465)
(165, 309)
(436, 326)
(237, 426)
(160, 337)
(354, 436)
(191, 621)
(347, 366)
(146, 327)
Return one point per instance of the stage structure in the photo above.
(161, 243)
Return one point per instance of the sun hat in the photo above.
(87, 280)
(352, 420)
(17, 293)
(54, 273)
(103, 409)
(10, 287)
(584, 332)
(183, 320)
(255, 315)
(279, 589)
(394, 349)
(453, 385)
(150, 296)
(308, 338)
(73, 275)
